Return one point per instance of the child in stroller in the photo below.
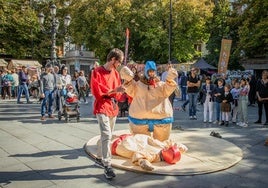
(70, 105)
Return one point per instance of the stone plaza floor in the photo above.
(35, 153)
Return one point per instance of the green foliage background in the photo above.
(100, 25)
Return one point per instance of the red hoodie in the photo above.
(103, 81)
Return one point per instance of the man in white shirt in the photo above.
(15, 83)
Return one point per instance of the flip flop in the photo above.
(215, 134)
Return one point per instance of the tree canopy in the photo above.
(18, 27)
(100, 26)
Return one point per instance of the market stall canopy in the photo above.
(203, 65)
(15, 63)
(3, 63)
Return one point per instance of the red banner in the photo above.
(126, 46)
(224, 55)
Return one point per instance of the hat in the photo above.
(150, 65)
(171, 155)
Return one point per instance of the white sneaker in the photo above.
(244, 124)
(194, 117)
(205, 121)
(216, 122)
(239, 123)
(86, 102)
(191, 117)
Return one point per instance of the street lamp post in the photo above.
(170, 30)
(54, 30)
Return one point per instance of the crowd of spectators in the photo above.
(225, 100)
(209, 91)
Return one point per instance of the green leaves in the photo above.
(105, 22)
(100, 25)
(18, 28)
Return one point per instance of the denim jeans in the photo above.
(243, 108)
(218, 111)
(23, 87)
(192, 103)
(49, 97)
(183, 93)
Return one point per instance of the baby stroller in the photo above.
(68, 106)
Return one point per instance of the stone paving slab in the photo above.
(50, 154)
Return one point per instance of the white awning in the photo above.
(3, 63)
(26, 63)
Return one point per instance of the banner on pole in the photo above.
(126, 46)
(224, 55)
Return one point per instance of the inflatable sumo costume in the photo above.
(150, 111)
(143, 150)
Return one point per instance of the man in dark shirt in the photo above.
(262, 95)
(218, 93)
(23, 79)
(193, 84)
(183, 86)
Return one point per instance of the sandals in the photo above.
(215, 134)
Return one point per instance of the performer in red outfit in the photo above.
(106, 88)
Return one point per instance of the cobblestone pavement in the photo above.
(50, 153)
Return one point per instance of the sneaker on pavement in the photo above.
(109, 173)
(86, 102)
(98, 162)
(245, 125)
(242, 124)
(194, 117)
(191, 117)
(216, 122)
(239, 123)
(51, 116)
